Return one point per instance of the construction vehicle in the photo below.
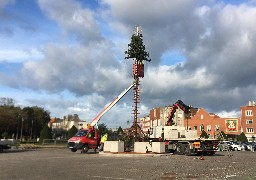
(89, 138)
(180, 140)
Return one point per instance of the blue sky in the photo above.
(67, 56)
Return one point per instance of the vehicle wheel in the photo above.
(73, 150)
(235, 149)
(85, 149)
(180, 149)
(187, 150)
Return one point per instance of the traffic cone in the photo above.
(202, 157)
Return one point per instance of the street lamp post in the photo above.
(31, 131)
(21, 129)
(17, 133)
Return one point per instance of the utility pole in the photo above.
(137, 51)
(21, 130)
(31, 130)
(17, 133)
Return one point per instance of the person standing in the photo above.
(102, 141)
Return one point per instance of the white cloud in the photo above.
(19, 55)
(217, 42)
(73, 18)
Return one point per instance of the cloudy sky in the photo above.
(67, 56)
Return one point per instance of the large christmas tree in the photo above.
(137, 51)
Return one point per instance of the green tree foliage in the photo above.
(204, 135)
(12, 118)
(71, 132)
(120, 130)
(59, 133)
(45, 134)
(5, 135)
(136, 49)
(40, 117)
(242, 138)
(102, 128)
(9, 121)
(4, 101)
(223, 136)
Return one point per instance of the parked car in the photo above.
(244, 146)
(224, 146)
(253, 147)
(236, 146)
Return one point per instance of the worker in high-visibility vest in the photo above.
(102, 141)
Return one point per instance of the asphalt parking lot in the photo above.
(53, 163)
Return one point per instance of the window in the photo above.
(217, 127)
(202, 116)
(250, 130)
(248, 113)
(249, 121)
(195, 127)
(202, 127)
(208, 127)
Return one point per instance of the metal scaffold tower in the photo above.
(137, 51)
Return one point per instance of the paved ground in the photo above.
(62, 164)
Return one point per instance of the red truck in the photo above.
(89, 138)
(85, 139)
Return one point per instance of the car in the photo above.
(224, 146)
(244, 146)
(236, 146)
(253, 147)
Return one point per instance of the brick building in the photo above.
(248, 120)
(212, 124)
(159, 116)
(145, 124)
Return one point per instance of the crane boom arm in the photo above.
(109, 106)
(178, 104)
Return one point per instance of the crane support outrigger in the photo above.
(89, 138)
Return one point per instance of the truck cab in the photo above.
(85, 139)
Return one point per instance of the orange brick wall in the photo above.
(245, 117)
(203, 118)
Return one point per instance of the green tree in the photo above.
(9, 120)
(71, 132)
(40, 117)
(59, 133)
(242, 138)
(223, 136)
(102, 128)
(5, 101)
(136, 49)
(204, 135)
(120, 130)
(5, 135)
(45, 133)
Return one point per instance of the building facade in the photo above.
(212, 124)
(67, 122)
(248, 120)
